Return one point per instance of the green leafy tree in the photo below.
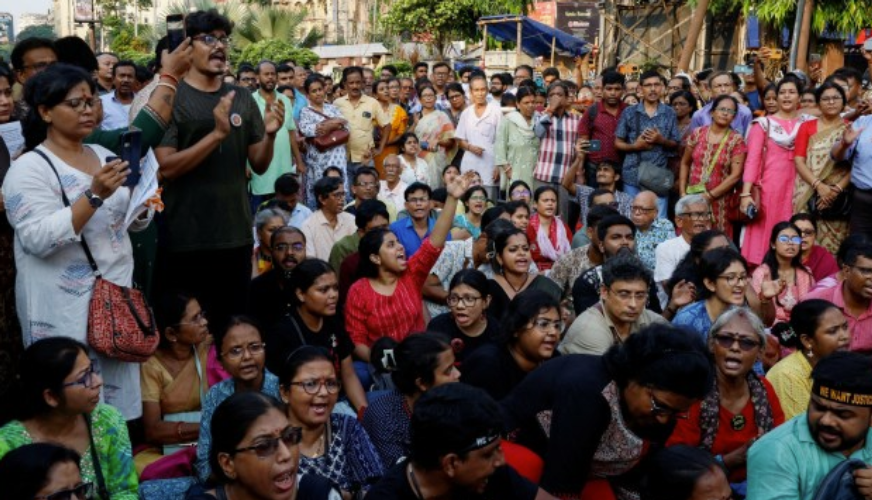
(37, 30)
(442, 22)
(844, 16)
(273, 23)
(276, 50)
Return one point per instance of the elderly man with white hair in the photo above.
(693, 215)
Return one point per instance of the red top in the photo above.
(604, 126)
(542, 262)
(821, 262)
(370, 315)
(688, 431)
(806, 130)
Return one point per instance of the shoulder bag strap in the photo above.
(98, 470)
(765, 149)
(85, 247)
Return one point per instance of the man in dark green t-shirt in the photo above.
(206, 237)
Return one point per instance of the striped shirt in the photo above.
(557, 136)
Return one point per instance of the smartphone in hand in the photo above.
(175, 30)
(131, 145)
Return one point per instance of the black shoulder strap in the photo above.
(591, 115)
(98, 470)
(85, 247)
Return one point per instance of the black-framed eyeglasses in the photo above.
(87, 378)
(81, 491)
(80, 103)
(638, 209)
(807, 232)
(468, 300)
(212, 40)
(311, 387)
(268, 447)
(254, 348)
(367, 184)
(726, 340)
(659, 409)
(455, 96)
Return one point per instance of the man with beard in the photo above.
(116, 104)
(693, 215)
(216, 129)
(267, 299)
(364, 114)
(286, 156)
(616, 235)
(595, 418)
(620, 313)
(599, 123)
(300, 99)
(285, 75)
(499, 83)
(791, 461)
(441, 73)
(455, 452)
(287, 197)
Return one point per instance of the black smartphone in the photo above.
(595, 145)
(131, 145)
(175, 30)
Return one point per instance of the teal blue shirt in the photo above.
(787, 463)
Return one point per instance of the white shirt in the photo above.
(667, 255)
(480, 131)
(115, 113)
(395, 196)
(420, 171)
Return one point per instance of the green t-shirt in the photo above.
(283, 161)
(207, 208)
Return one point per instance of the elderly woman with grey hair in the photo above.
(266, 222)
(742, 405)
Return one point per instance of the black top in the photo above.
(290, 332)
(267, 301)
(463, 344)
(492, 368)
(500, 300)
(311, 487)
(503, 484)
(586, 292)
(571, 387)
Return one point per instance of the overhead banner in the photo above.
(84, 11)
(544, 12)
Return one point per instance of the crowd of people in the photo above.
(441, 285)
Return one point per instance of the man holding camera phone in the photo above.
(599, 123)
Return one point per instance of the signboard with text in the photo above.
(579, 19)
(544, 12)
(84, 11)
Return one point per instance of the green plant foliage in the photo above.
(273, 23)
(404, 68)
(37, 30)
(276, 50)
(443, 22)
(845, 16)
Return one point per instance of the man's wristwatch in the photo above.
(93, 199)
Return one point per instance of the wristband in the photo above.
(745, 195)
(814, 184)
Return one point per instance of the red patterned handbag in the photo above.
(121, 325)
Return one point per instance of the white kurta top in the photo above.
(54, 282)
(480, 131)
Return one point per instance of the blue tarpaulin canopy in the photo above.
(536, 38)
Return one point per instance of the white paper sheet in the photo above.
(12, 136)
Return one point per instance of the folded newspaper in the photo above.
(145, 189)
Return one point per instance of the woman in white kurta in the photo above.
(477, 133)
(54, 283)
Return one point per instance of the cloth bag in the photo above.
(121, 324)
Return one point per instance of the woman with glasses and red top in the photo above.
(256, 454)
(58, 401)
(740, 406)
(334, 446)
(782, 278)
